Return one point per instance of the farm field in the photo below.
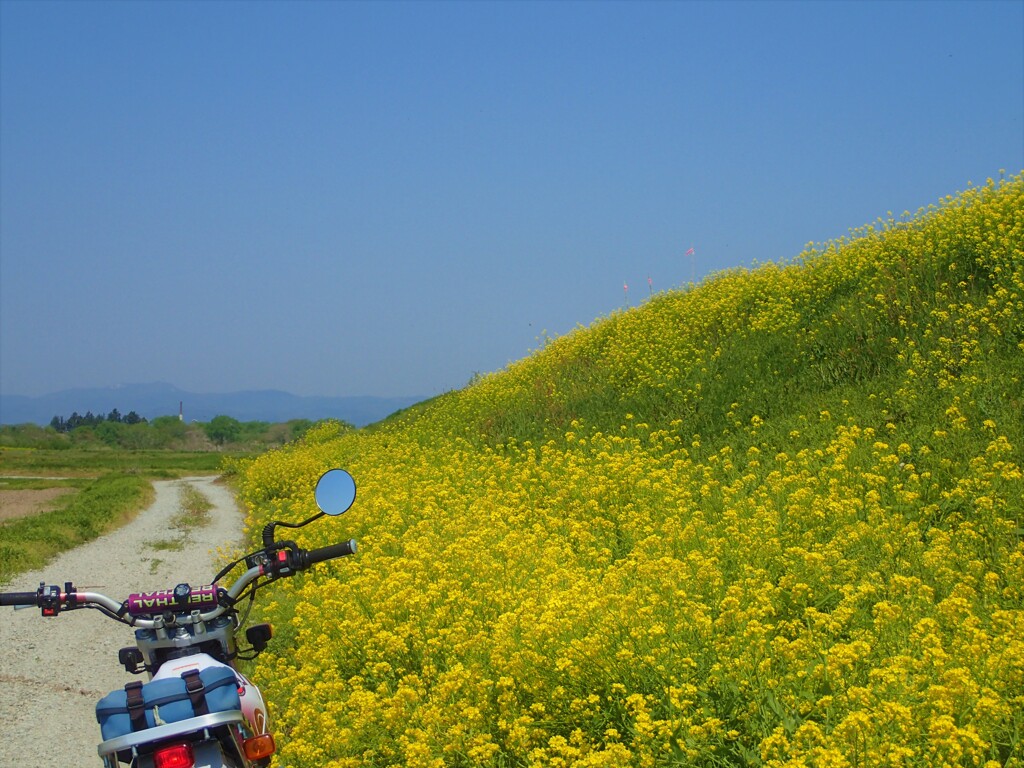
(86, 462)
(775, 520)
(54, 500)
(60, 489)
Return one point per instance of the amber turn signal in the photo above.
(259, 747)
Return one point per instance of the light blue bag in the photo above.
(214, 689)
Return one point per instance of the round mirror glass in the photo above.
(335, 491)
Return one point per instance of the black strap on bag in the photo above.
(196, 692)
(136, 706)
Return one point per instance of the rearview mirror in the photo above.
(335, 491)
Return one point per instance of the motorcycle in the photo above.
(198, 710)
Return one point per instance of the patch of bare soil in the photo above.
(22, 503)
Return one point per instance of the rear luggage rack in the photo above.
(109, 750)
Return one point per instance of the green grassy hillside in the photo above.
(774, 520)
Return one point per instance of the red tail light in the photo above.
(174, 756)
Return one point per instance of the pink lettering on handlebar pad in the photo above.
(149, 603)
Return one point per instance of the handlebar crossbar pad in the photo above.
(331, 552)
(18, 598)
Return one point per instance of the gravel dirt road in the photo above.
(52, 671)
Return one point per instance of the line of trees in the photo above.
(76, 420)
(135, 432)
(132, 431)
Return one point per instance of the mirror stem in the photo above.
(268, 529)
(268, 535)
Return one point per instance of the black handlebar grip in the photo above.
(329, 553)
(18, 598)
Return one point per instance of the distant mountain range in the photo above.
(152, 400)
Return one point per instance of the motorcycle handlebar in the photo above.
(341, 549)
(63, 600)
(18, 598)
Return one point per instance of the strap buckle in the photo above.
(196, 691)
(136, 705)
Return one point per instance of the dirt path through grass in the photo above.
(52, 671)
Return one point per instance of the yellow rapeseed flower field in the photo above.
(775, 520)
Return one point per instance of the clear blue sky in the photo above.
(384, 198)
